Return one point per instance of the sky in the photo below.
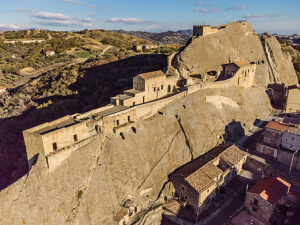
(272, 16)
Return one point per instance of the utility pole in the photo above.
(293, 160)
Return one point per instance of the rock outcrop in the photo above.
(89, 187)
(236, 41)
(129, 168)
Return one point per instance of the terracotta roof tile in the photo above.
(271, 189)
(276, 126)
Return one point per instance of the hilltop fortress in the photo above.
(54, 141)
(111, 164)
(151, 91)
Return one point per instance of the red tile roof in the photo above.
(271, 189)
(276, 126)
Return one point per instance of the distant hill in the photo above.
(168, 37)
(188, 32)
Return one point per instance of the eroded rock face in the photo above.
(236, 42)
(90, 185)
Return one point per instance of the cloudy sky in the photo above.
(273, 16)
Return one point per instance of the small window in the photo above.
(128, 118)
(118, 123)
(182, 188)
(293, 138)
(97, 128)
(154, 89)
(162, 87)
(255, 202)
(133, 103)
(75, 137)
(54, 145)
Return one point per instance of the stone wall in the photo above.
(264, 208)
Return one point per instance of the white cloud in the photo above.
(88, 20)
(63, 23)
(236, 8)
(128, 21)
(48, 15)
(255, 16)
(74, 2)
(11, 27)
(213, 10)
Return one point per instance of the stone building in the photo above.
(199, 182)
(2, 89)
(262, 198)
(242, 71)
(291, 138)
(147, 87)
(281, 141)
(50, 53)
(202, 30)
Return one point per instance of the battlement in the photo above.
(202, 30)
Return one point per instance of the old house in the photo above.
(243, 71)
(2, 89)
(50, 53)
(199, 182)
(262, 198)
(146, 87)
(272, 139)
(291, 138)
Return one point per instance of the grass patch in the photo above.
(82, 54)
(79, 194)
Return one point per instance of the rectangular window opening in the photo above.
(128, 118)
(75, 137)
(54, 145)
(118, 123)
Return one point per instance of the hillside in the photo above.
(96, 183)
(169, 37)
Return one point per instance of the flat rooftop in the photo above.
(55, 126)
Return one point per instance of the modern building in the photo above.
(199, 182)
(263, 198)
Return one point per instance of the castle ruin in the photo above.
(151, 91)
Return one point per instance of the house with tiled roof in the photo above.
(199, 182)
(263, 198)
(281, 141)
(2, 89)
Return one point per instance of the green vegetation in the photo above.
(79, 194)
(82, 54)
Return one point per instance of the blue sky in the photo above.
(272, 16)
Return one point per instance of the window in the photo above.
(182, 188)
(133, 103)
(75, 137)
(97, 128)
(162, 87)
(292, 138)
(154, 89)
(169, 88)
(128, 118)
(54, 145)
(118, 123)
(255, 202)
